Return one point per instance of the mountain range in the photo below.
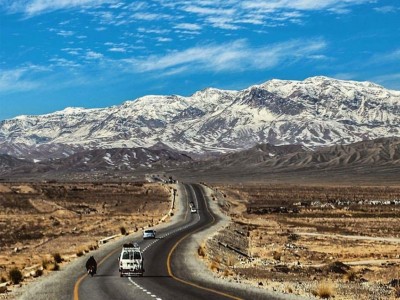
(318, 111)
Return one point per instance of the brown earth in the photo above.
(303, 239)
(38, 220)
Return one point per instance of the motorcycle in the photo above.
(91, 270)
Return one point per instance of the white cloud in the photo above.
(188, 26)
(117, 49)
(146, 16)
(34, 7)
(274, 5)
(65, 33)
(72, 51)
(387, 9)
(93, 55)
(164, 39)
(222, 22)
(18, 79)
(391, 81)
(153, 30)
(201, 10)
(389, 57)
(63, 63)
(236, 55)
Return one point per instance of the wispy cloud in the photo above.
(93, 55)
(236, 55)
(163, 39)
(63, 63)
(273, 5)
(388, 80)
(388, 57)
(19, 79)
(117, 49)
(72, 51)
(387, 9)
(65, 33)
(188, 26)
(34, 7)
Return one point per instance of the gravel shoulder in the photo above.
(198, 269)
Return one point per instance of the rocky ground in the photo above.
(46, 225)
(321, 250)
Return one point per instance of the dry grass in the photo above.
(288, 289)
(214, 266)
(231, 260)
(351, 275)
(37, 219)
(228, 272)
(325, 290)
(282, 237)
(201, 251)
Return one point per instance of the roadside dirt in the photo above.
(303, 240)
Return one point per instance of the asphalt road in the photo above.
(166, 276)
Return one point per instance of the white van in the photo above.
(131, 261)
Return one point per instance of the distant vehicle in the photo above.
(130, 261)
(193, 210)
(149, 234)
(191, 204)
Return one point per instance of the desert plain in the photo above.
(317, 241)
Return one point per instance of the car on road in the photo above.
(193, 210)
(130, 261)
(149, 234)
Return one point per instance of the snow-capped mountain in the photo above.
(318, 111)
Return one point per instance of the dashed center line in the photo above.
(161, 237)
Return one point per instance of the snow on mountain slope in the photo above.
(315, 112)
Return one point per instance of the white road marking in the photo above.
(164, 236)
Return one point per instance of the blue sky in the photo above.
(97, 53)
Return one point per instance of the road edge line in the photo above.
(188, 282)
(78, 282)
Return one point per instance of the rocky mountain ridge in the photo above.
(318, 111)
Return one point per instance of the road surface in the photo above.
(168, 275)
(165, 275)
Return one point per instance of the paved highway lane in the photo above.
(166, 275)
(160, 262)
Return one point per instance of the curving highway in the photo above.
(166, 274)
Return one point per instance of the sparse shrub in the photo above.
(217, 259)
(325, 290)
(57, 257)
(351, 275)
(277, 255)
(397, 291)
(293, 237)
(45, 264)
(38, 273)
(3, 279)
(214, 266)
(231, 261)
(289, 289)
(15, 275)
(79, 253)
(123, 230)
(55, 267)
(201, 251)
(93, 247)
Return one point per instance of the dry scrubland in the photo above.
(341, 242)
(44, 224)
